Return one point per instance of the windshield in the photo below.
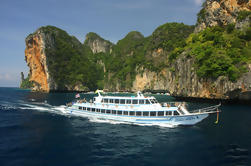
(153, 101)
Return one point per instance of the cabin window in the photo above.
(138, 113)
(152, 113)
(181, 112)
(102, 100)
(134, 101)
(122, 101)
(113, 111)
(93, 109)
(147, 102)
(117, 101)
(119, 112)
(84, 108)
(161, 113)
(105, 100)
(80, 108)
(153, 101)
(125, 113)
(97, 110)
(128, 101)
(141, 101)
(108, 111)
(88, 109)
(175, 113)
(102, 111)
(168, 113)
(111, 101)
(132, 113)
(146, 113)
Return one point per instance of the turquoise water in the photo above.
(33, 131)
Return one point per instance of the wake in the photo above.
(38, 106)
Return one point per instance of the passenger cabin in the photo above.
(139, 99)
(129, 113)
(124, 100)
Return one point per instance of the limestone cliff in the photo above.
(223, 12)
(97, 43)
(51, 55)
(181, 80)
(25, 82)
(36, 60)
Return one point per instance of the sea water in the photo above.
(35, 131)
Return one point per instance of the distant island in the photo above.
(211, 59)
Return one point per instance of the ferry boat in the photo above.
(138, 110)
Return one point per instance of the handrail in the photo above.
(171, 104)
(207, 109)
(201, 110)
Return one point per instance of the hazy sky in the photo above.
(111, 19)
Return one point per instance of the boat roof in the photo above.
(127, 97)
(139, 96)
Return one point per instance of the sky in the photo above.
(111, 19)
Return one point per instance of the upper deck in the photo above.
(140, 99)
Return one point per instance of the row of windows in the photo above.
(129, 101)
(131, 113)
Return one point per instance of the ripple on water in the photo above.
(236, 155)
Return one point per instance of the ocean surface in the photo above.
(33, 131)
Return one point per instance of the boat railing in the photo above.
(172, 104)
(210, 109)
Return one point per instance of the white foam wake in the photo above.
(45, 107)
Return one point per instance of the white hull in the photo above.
(149, 120)
(138, 110)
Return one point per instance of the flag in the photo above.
(77, 96)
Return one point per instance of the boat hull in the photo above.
(141, 120)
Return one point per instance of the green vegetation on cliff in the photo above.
(70, 62)
(243, 15)
(220, 51)
(91, 36)
(170, 36)
(122, 61)
(134, 52)
(26, 83)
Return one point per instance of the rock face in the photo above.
(59, 62)
(40, 55)
(181, 80)
(36, 60)
(97, 44)
(224, 12)
(22, 77)
(184, 82)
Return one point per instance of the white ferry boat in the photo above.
(138, 110)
